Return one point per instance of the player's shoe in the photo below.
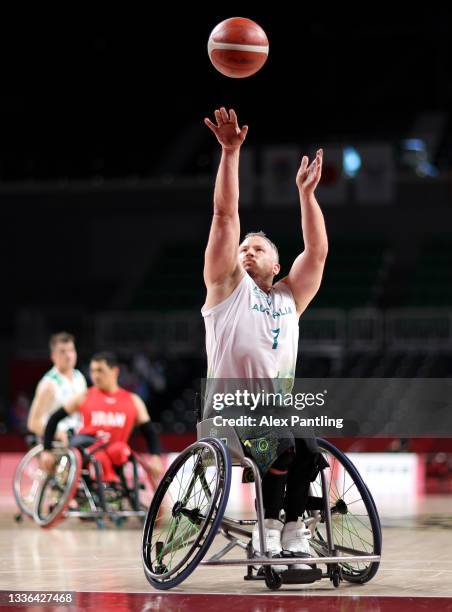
(272, 530)
(295, 538)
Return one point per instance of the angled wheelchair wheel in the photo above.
(56, 490)
(186, 512)
(135, 490)
(27, 479)
(355, 521)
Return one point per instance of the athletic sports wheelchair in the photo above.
(79, 486)
(187, 512)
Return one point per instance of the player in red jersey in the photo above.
(108, 413)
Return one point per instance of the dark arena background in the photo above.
(106, 187)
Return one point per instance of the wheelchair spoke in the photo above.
(331, 485)
(351, 540)
(199, 493)
(182, 476)
(172, 527)
(340, 532)
(334, 488)
(187, 488)
(345, 529)
(351, 531)
(355, 501)
(198, 505)
(345, 492)
(367, 529)
(192, 482)
(179, 532)
(181, 539)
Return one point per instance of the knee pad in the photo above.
(284, 461)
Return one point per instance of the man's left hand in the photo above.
(308, 177)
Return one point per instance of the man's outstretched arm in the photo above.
(44, 396)
(306, 272)
(47, 458)
(221, 270)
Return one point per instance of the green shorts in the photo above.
(264, 446)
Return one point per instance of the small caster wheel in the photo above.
(336, 577)
(272, 579)
(19, 517)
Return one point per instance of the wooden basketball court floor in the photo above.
(104, 566)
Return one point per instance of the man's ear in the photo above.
(276, 269)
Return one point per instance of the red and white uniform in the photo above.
(110, 413)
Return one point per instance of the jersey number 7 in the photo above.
(275, 339)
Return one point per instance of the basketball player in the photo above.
(57, 387)
(242, 341)
(105, 407)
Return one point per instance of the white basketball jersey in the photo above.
(253, 335)
(64, 390)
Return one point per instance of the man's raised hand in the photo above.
(227, 130)
(308, 177)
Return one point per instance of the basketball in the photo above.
(238, 47)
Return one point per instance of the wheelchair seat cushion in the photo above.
(264, 446)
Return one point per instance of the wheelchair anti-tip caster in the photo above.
(336, 577)
(272, 579)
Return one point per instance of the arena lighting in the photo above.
(413, 144)
(351, 161)
(425, 168)
(415, 154)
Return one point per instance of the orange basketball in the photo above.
(238, 47)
